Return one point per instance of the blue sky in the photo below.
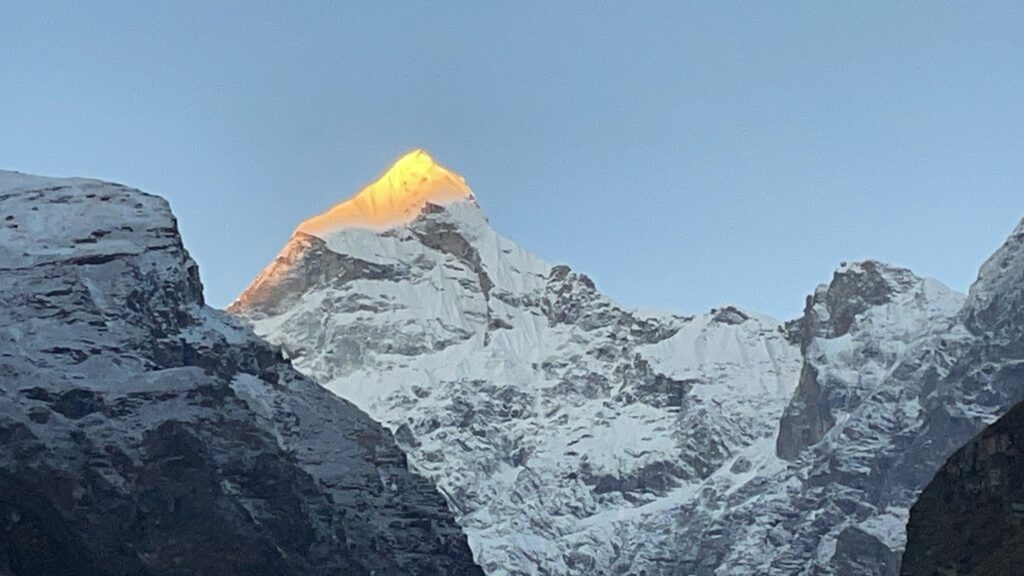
(684, 155)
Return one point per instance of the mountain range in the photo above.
(404, 391)
(573, 436)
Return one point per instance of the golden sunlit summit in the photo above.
(396, 197)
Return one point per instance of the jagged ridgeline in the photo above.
(143, 433)
(562, 428)
(572, 436)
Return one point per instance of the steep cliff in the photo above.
(144, 433)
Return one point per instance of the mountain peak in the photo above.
(397, 196)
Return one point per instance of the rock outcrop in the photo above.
(968, 521)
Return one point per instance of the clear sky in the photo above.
(684, 155)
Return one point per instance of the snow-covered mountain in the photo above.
(555, 421)
(144, 433)
(967, 520)
(572, 436)
(871, 339)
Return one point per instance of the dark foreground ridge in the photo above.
(144, 433)
(968, 521)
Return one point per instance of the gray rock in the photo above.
(968, 520)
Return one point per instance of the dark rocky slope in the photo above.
(969, 521)
(143, 433)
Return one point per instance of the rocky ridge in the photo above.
(143, 433)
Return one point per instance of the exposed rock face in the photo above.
(855, 288)
(807, 418)
(968, 520)
(143, 433)
(893, 307)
